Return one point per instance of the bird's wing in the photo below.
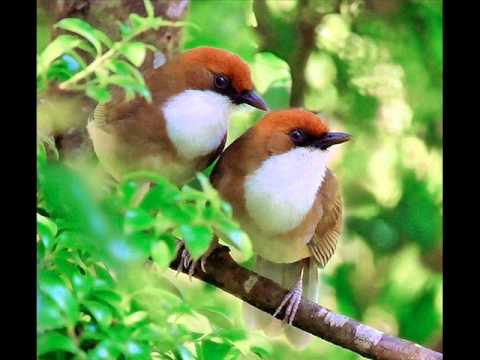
(324, 241)
(138, 119)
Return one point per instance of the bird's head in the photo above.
(222, 72)
(285, 130)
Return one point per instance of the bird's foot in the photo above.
(186, 261)
(291, 302)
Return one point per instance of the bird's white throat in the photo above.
(282, 190)
(197, 121)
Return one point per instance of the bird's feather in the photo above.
(324, 241)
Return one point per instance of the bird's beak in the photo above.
(253, 99)
(330, 139)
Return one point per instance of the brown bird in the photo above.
(184, 128)
(275, 176)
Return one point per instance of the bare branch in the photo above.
(224, 273)
(291, 40)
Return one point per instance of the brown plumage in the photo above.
(260, 167)
(131, 136)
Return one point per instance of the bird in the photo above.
(282, 193)
(184, 128)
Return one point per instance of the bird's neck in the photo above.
(197, 121)
(280, 193)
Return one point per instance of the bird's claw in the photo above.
(291, 301)
(187, 262)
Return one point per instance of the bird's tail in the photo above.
(285, 275)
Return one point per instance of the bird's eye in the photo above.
(297, 136)
(221, 82)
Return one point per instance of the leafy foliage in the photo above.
(87, 251)
(111, 63)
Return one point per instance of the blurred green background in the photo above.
(375, 70)
(372, 68)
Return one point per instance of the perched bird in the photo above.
(275, 176)
(184, 128)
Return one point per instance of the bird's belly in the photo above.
(281, 250)
(121, 158)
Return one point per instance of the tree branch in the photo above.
(291, 40)
(224, 273)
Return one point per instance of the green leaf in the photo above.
(181, 213)
(73, 240)
(54, 341)
(124, 68)
(101, 312)
(190, 194)
(92, 331)
(182, 353)
(233, 334)
(132, 84)
(55, 49)
(142, 242)
(138, 219)
(261, 352)
(209, 214)
(120, 333)
(46, 235)
(135, 318)
(106, 350)
(109, 297)
(215, 317)
(128, 190)
(98, 93)
(104, 275)
(147, 332)
(100, 35)
(82, 28)
(215, 351)
(89, 49)
(50, 225)
(125, 30)
(197, 238)
(138, 22)
(40, 251)
(64, 267)
(162, 195)
(162, 254)
(134, 51)
(207, 188)
(149, 8)
(137, 350)
(49, 314)
(235, 237)
(82, 284)
(59, 70)
(54, 287)
(163, 283)
(42, 151)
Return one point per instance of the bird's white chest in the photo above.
(283, 189)
(197, 121)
